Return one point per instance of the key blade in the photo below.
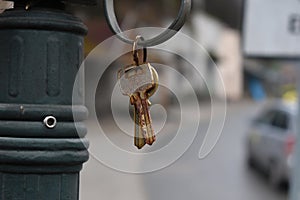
(150, 136)
(139, 140)
(139, 120)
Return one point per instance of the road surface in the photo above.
(221, 175)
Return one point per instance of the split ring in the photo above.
(162, 37)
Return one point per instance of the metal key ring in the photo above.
(162, 37)
(135, 50)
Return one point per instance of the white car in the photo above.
(271, 140)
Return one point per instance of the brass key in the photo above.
(142, 135)
(139, 131)
(135, 81)
(139, 82)
(140, 101)
(144, 95)
(150, 136)
(150, 132)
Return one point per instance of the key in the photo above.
(139, 135)
(133, 79)
(150, 132)
(144, 95)
(150, 136)
(139, 83)
(141, 103)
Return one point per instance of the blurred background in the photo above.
(232, 170)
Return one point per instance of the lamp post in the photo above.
(41, 151)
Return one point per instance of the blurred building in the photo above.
(275, 77)
(223, 45)
(218, 34)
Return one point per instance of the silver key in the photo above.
(135, 82)
(136, 78)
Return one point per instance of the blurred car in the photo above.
(271, 140)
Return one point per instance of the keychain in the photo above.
(139, 80)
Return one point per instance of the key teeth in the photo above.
(151, 141)
(139, 147)
(146, 142)
(138, 143)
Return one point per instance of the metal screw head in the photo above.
(50, 122)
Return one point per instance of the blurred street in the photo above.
(220, 80)
(221, 175)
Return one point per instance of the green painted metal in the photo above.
(41, 52)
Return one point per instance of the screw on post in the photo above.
(50, 122)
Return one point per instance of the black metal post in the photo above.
(41, 152)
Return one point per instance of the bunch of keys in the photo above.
(139, 81)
